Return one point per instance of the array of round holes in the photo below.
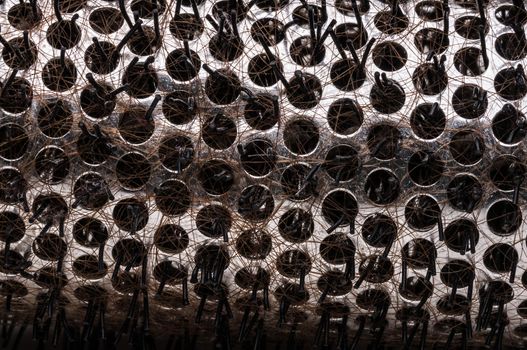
(208, 136)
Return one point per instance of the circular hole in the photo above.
(91, 191)
(387, 97)
(500, 258)
(226, 6)
(305, 52)
(48, 277)
(509, 125)
(461, 235)
(428, 121)
(425, 168)
(511, 46)
(305, 91)
(101, 58)
(347, 75)
(186, 26)
(464, 192)
(372, 299)
(216, 177)
(129, 252)
(301, 15)
(213, 257)
(301, 136)
(340, 208)
(501, 292)
(106, 20)
(431, 40)
(130, 215)
(49, 247)
(432, 11)
(262, 112)
(296, 225)
(219, 131)
(90, 232)
(457, 272)
(257, 157)
(55, 118)
(430, 78)
(292, 293)
(469, 61)
(87, 266)
(173, 197)
(214, 221)
(504, 217)
(20, 54)
(12, 227)
(13, 289)
(337, 249)
(511, 14)
(94, 148)
(24, 16)
(382, 187)
(389, 23)
(176, 152)
(145, 8)
(293, 263)
(126, 282)
(70, 6)
(422, 212)
(453, 306)
(98, 104)
(470, 101)
(133, 171)
(182, 67)
(351, 34)
(467, 147)
(226, 47)
(52, 165)
(178, 107)
(507, 172)
(14, 141)
(144, 42)
(135, 126)
(378, 269)
(383, 141)
(63, 34)
(255, 203)
(59, 76)
(268, 31)
(334, 283)
(271, 5)
(13, 186)
(261, 72)
(522, 309)
(379, 230)
(342, 163)
(223, 87)
(345, 116)
(510, 83)
(254, 244)
(468, 27)
(12, 262)
(416, 288)
(296, 182)
(52, 207)
(17, 97)
(171, 239)
(170, 272)
(141, 79)
(419, 253)
(389, 56)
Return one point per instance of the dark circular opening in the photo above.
(261, 72)
(176, 153)
(126, 282)
(94, 149)
(379, 230)
(170, 272)
(63, 34)
(430, 79)
(504, 217)
(296, 225)
(13, 186)
(507, 172)
(470, 101)
(293, 294)
(145, 8)
(262, 112)
(340, 208)
(54, 209)
(49, 247)
(248, 277)
(457, 272)
(14, 141)
(387, 97)
(173, 197)
(106, 20)
(12, 227)
(52, 165)
(372, 298)
(419, 253)
(500, 258)
(391, 24)
(296, 182)
(347, 75)
(431, 40)
(214, 221)
(129, 251)
(428, 121)
(337, 249)
(425, 168)
(415, 288)
(258, 157)
(97, 104)
(345, 116)
(20, 54)
(226, 47)
(511, 46)
(301, 136)
(101, 58)
(59, 76)
(351, 34)
(422, 212)
(301, 15)
(305, 91)
(293, 263)
(90, 232)
(171, 239)
(130, 215)
(23, 17)
(223, 87)
(256, 203)
(178, 107)
(334, 283)
(383, 141)
(212, 257)
(464, 192)
(12, 262)
(268, 31)
(432, 11)
(467, 147)
(182, 65)
(91, 191)
(377, 268)
(87, 266)
(522, 309)
(468, 27)
(219, 131)
(216, 177)
(186, 26)
(342, 163)
(305, 52)
(145, 42)
(13, 289)
(510, 83)
(133, 171)
(509, 125)
(254, 244)
(389, 56)
(461, 235)
(510, 14)
(17, 97)
(469, 61)
(135, 126)
(453, 306)
(382, 187)
(55, 118)
(70, 6)
(141, 79)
